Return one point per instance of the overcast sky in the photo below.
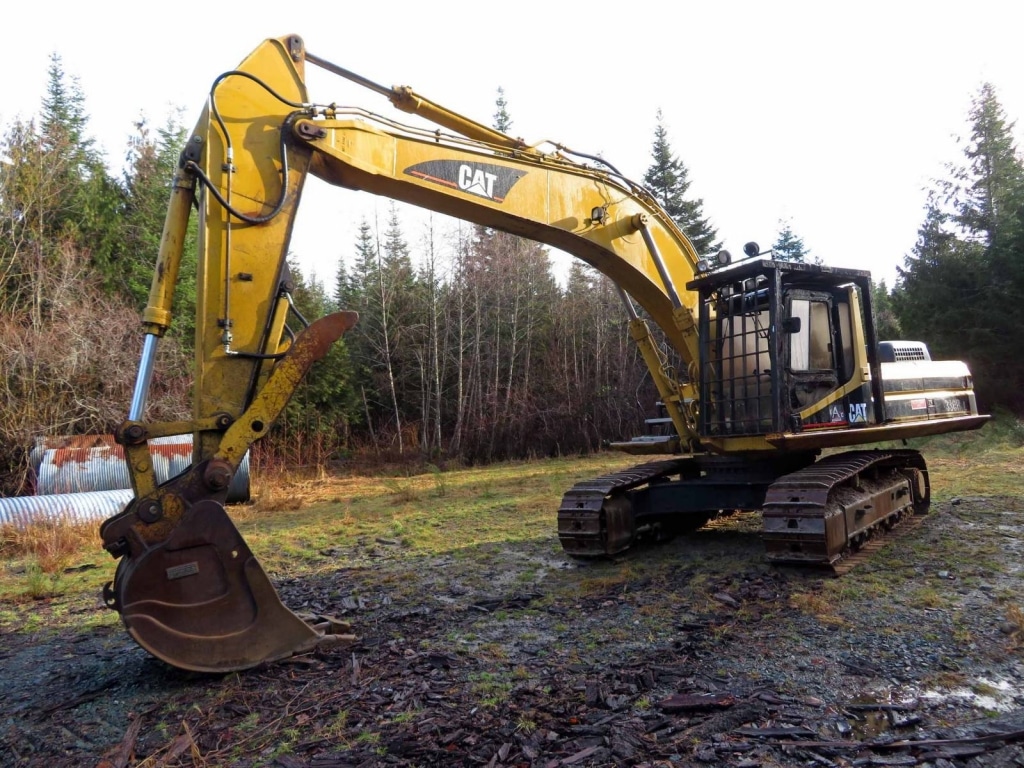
(832, 116)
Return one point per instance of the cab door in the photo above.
(812, 361)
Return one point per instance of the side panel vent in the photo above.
(900, 351)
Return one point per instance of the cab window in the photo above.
(810, 348)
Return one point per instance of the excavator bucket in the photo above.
(200, 600)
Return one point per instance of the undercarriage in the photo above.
(815, 512)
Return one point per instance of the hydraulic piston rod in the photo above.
(143, 378)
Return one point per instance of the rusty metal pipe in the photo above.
(90, 463)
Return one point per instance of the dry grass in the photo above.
(1015, 619)
(820, 604)
(45, 560)
(52, 546)
(616, 578)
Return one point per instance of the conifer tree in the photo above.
(942, 273)
(887, 323)
(340, 296)
(358, 290)
(88, 207)
(962, 287)
(788, 246)
(381, 286)
(56, 195)
(314, 426)
(668, 180)
(988, 192)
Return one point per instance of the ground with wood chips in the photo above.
(694, 652)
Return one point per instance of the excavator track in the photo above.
(595, 519)
(833, 513)
(838, 510)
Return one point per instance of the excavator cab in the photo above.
(784, 349)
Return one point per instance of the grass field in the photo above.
(297, 525)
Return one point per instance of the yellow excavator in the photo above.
(779, 361)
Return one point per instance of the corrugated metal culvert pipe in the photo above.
(22, 511)
(85, 477)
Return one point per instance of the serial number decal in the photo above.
(183, 570)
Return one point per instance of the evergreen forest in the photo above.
(468, 348)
